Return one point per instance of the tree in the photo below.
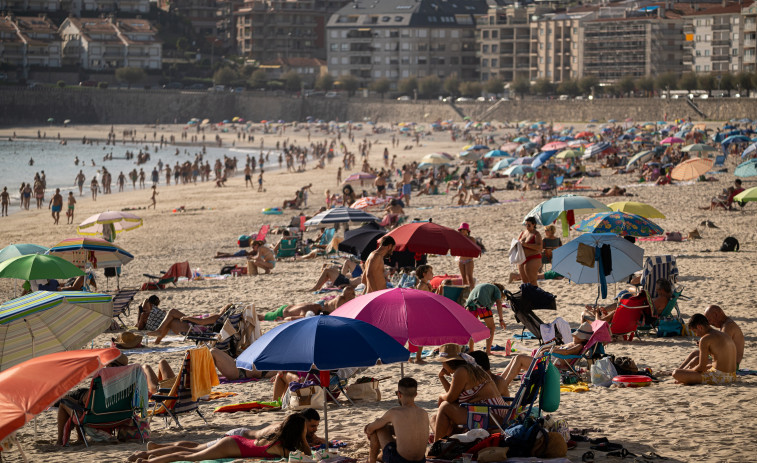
(744, 81)
(688, 81)
(568, 87)
(258, 79)
(429, 87)
(708, 82)
(130, 75)
(626, 85)
(543, 87)
(380, 86)
(407, 85)
(727, 81)
(588, 85)
(182, 44)
(325, 82)
(645, 83)
(666, 81)
(225, 76)
(494, 85)
(470, 89)
(350, 84)
(521, 86)
(452, 84)
(292, 81)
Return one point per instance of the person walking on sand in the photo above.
(95, 187)
(71, 205)
(401, 434)
(260, 181)
(339, 176)
(154, 197)
(5, 199)
(56, 204)
(79, 181)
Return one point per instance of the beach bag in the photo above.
(131, 432)
(365, 389)
(536, 298)
(521, 438)
(449, 448)
(624, 365)
(602, 372)
(730, 244)
(669, 327)
(585, 255)
(243, 241)
(155, 319)
(673, 236)
(305, 397)
(99, 435)
(517, 255)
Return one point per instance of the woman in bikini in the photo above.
(466, 263)
(470, 384)
(532, 247)
(424, 274)
(291, 436)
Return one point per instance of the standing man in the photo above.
(715, 344)
(79, 181)
(380, 184)
(373, 277)
(56, 204)
(479, 303)
(5, 199)
(402, 433)
(71, 205)
(154, 198)
(248, 175)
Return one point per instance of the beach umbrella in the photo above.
(38, 267)
(50, 120)
(584, 134)
(341, 215)
(541, 158)
(509, 147)
(368, 201)
(359, 177)
(440, 153)
(29, 388)
(735, 139)
(17, 250)
(517, 170)
(421, 318)
(98, 252)
(362, 241)
(523, 161)
(119, 220)
(554, 146)
(521, 139)
(640, 157)
(691, 169)
(699, 148)
(620, 223)
(496, 154)
(751, 149)
(672, 141)
(550, 210)
(568, 154)
(45, 322)
(502, 164)
(435, 159)
(633, 207)
(596, 148)
(747, 195)
(432, 238)
(746, 169)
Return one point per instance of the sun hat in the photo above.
(584, 331)
(464, 226)
(450, 352)
(128, 340)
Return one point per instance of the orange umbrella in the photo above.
(691, 169)
(28, 388)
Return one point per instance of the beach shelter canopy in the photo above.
(633, 207)
(640, 157)
(747, 195)
(627, 258)
(432, 238)
(28, 389)
(746, 169)
(17, 250)
(120, 220)
(620, 223)
(420, 317)
(38, 267)
(549, 210)
(340, 215)
(98, 252)
(46, 322)
(691, 169)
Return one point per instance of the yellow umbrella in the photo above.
(747, 195)
(568, 154)
(691, 169)
(641, 209)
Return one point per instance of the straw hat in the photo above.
(450, 352)
(584, 331)
(128, 340)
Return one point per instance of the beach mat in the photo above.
(745, 372)
(225, 380)
(247, 406)
(525, 336)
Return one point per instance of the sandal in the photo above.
(588, 457)
(622, 453)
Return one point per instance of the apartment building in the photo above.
(29, 41)
(270, 29)
(556, 45)
(396, 39)
(202, 14)
(309, 69)
(24, 6)
(504, 43)
(749, 43)
(105, 43)
(714, 38)
(77, 7)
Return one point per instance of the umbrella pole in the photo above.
(326, 421)
(28, 327)
(402, 370)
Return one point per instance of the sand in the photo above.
(699, 423)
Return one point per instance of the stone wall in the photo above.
(112, 106)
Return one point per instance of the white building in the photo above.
(29, 41)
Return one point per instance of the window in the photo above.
(422, 33)
(699, 53)
(486, 34)
(698, 38)
(345, 47)
(495, 34)
(405, 45)
(334, 60)
(706, 68)
(405, 73)
(376, 74)
(494, 48)
(334, 47)
(735, 52)
(698, 68)
(485, 62)
(405, 60)
(345, 60)
(442, 34)
(707, 53)
(454, 61)
(494, 63)
(485, 48)
(334, 34)
(707, 37)
(422, 60)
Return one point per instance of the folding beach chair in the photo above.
(110, 413)
(170, 403)
(262, 233)
(199, 334)
(593, 349)
(287, 248)
(523, 310)
(121, 302)
(456, 293)
(172, 275)
(628, 315)
(656, 267)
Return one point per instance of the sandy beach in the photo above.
(696, 423)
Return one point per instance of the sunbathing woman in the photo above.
(179, 323)
(297, 311)
(338, 276)
(290, 437)
(470, 384)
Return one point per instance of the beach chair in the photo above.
(719, 161)
(109, 413)
(169, 403)
(198, 335)
(262, 233)
(628, 315)
(172, 275)
(456, 293)
(656, 267)
(121, 302)
(671, 310)
(287, 248)
(593, 349)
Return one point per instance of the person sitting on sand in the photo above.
(297, 311)
(339, 276)
(657, 304)
(521, 362)
(261, 257)
(614, 191)
(291, 436)
(144, 310)
(392, 212)
(483, 361)
(470, 384)
(180, 323)
(717, 318)
(401, 434)
(227, 366)
(715, 344)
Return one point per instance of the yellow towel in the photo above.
(578, 387)
(202, 371)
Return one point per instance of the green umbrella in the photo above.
(15, 250)
(50, 119)
(38, 267)
(747, 195)
(699, 148)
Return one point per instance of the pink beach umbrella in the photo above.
(419, 317)
(555, 145)
(672, 141)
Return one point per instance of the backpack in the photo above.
(730, 244)
(625, 365)
(521, 438)
(449, 449)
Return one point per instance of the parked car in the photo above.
(173, 86)
(197, 87)
(463, 99)
(403, 98)
(332, 95)
(237, 90)
(88, 83)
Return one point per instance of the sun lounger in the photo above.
(121, 301)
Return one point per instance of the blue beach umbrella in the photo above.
(746, 169)
(516, 170)
(502, 164)
(16, 250)
(735, 139)
(543, 157)
(496, 154)
(524, 161)
(620, 223)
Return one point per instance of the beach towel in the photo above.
(247, 406)
(578, 387)
(525, 336)
(203, 372)
(119, 382)
(219, 395)
(150, 350)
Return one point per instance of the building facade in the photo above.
(504, 43)
(714, 38)
(749, 43)
(29, 41)
(556, 46)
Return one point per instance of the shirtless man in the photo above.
(380, 184)
(373, 277)
(339, 276)
(715, 344)
(402, 433)
(153, 198)
(297, 311)
(5, 199)
(718, 319)
(56, 204)
(79, 181)
(71, 207)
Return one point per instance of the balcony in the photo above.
(750, 59)
(750, 26)
(750, 43)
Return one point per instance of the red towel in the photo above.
(179, 269)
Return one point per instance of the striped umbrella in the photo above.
(98, 252)
(359, 177)
(17, 250)
(121, 222)
(368, 201)
(341, 215)
(46, 322)
(596, 148)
